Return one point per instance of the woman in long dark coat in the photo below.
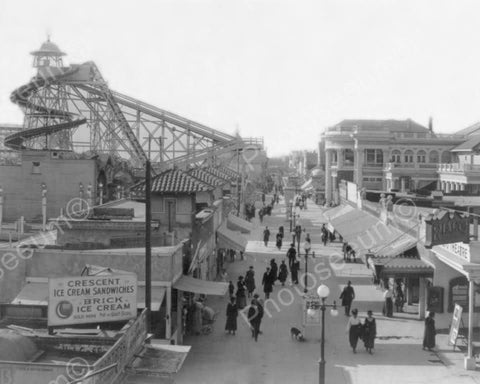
(250, 281)
(267, 283)
(232, 314)
(283, 273)
(254, 317)
(369, 332)
(279, 241)
(430, 332)
(241, 295)
(354, 329)
(273, 271)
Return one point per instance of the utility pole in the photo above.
(148, 243)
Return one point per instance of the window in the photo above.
(421, 156)
(36, 168)
(171, 205)
(433, 157)
(408, 156)
(349, 156)
(396, 156)
(374, 156)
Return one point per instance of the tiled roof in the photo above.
(473, 129)
(229, 171)
(174, 181)
(217, 171)
(207, 177)
(392, 125)
(468, 145)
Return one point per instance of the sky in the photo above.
(277, 69)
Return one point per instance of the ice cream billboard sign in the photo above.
(91, 299)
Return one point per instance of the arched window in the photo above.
(446, 157)
(408, 156)
(396, 156)
(348, 156)
(421, 156)
(433, 157)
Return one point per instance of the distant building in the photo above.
(461, 175)
(390, 155)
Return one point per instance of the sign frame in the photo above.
(92, 299)
(455, 326)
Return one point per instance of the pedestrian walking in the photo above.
(347, 296)
(292, 256)
(231, 288)
(369, 332)
(267, 283)
(279, 240)
(324, 238)
(307, 246)
(354, 329)
(273, 270)
(324, 235)
(254, 318)
(283, 273)
(388, 305)
(399, 297)
(241, 295)
(266, 236)
(261, 213)
(260, 309)
(295, 268)
(250, 281)
(430, 332)
(232, 314)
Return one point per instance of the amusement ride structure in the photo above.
(72, 108)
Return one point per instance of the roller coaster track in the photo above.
(21, 97)
(93, 102)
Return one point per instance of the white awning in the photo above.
(37, 294)
(230, 239)
(236, 223)
(190, 284)
(160, 361)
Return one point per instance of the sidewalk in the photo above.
(276, 358)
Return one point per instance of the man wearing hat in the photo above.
(347, 296)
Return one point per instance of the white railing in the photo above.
(458, 167)
(391, 166)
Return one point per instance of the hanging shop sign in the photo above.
(446, 228)
(91, 299)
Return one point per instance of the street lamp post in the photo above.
(323, 291)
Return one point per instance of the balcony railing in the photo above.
(391, 166)
(458, 168)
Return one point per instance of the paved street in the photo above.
(276, 358)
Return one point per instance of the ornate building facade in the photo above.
(389, 155)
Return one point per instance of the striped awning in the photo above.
(401, 266)
(230, 239)
(236, 223)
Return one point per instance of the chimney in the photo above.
(430, 124)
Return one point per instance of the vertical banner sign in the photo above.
(457, 317)
(311, 311)
(91, 299)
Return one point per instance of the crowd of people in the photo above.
(244, 294)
